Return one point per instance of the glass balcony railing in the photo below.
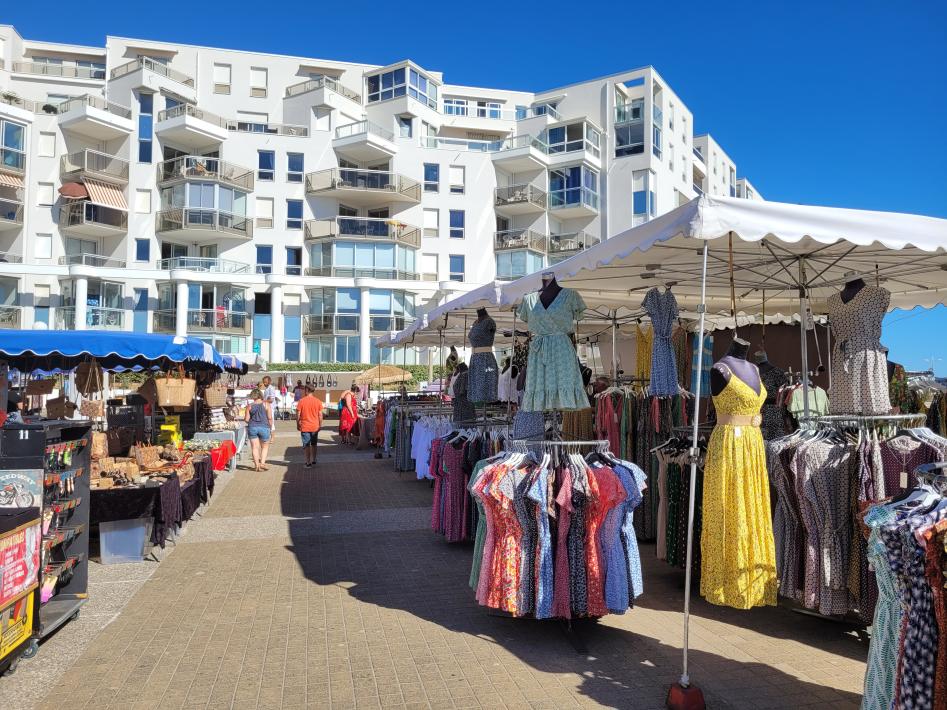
(201, 167)
(517, 142)
(83, 213)
(373, 228)
(194, 112)
(270, 129)
(152, 66)
(66, 71)
(94, 163)
(630, 111)
(201, 219)
(520, 195)
(538, 110)
(360, 127)
(11, 212)
(98, 260)
(314, 324)
(203, 264)
(95, 102)
(218, 320)
(96, 317)
(320, 83)
(573, 197)
(10, 317)
(11, 99)
(571, 242)
(363, 272)
(698, 154)
(519, 239)
(471, 146)
(698, 189)
(357, 179)
(12, 161)
(657, 115)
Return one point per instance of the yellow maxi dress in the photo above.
(738, 555)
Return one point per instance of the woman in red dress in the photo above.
(348, 417)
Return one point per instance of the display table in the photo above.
(236, 436)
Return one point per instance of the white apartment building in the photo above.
(299, 208)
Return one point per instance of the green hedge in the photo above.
(419, 372)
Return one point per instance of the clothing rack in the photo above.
(526, 445)
(840, 421)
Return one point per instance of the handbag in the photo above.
(175, 391)
(92, 408)
(37, 387)
(216, 395)
(60, 408)
(89, 378)
(119, 440)
(100, 445)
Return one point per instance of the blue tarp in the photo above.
(29, 350)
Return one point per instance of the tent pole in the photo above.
(615, 346)
(804, 340)
(701, 309)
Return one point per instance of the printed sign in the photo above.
(19, 562)
(21, 488)
(16, 624)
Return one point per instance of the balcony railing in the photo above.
(218, 320)
(520, 194)
(194, 112)
(270, 129)
(359, 127)
(153, 66)
(520, 239)
(657, 115)
(697, 153)
(102, 262)
(77, 214)
(201, 167)
(473, 110)
(516, 142)
(356, 179)
(322, 324)
(385, 324)
(471, 146)
(203, 264)
(698, 189)
(11, 211)
(630, 111)
(66, 71)
(95, 102)
(326, 82)
(540, 110)
(571, 242)
(11, 99)
(358, 272)
(201, 219)
(12, 161)
(96, 317)
(95, 163)
(10, 317)
(374, 228)
(573, 197)
(7, 257)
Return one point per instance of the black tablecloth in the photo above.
(190, 498)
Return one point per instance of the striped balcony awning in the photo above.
(101, 193)
(14, 181)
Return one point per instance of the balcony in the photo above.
(520, 154)
(364, 141)
(519, 199)
(520, 239)
(96, 318)
(91, 163)
(562, 246)
(630, 111)
(145, 71)
(321, 85)
(89, 219)
(329, 324)
(363, 187)
(203, 265)
(96, 260)
(200, 167)
(698, 154)
(387, 273)
(95, 118)
(191, 127)
(539, 111)
(203, 225)
(574, 202)
(10, 317)
(697, 190)
(205, 320)
(22, 108)
(370, 228)
(269, 129)
(8, 257)
(11, 215)
(470, 146)
(60, 71)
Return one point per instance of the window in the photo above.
(294, 167)
(266, 165)
(670, 117)
(258, 82)
(684, 129)
(488, 109)
(96, 69)
(43, 246)
(457, 219)
(143, 201)
(456, 267)
(45, 194)
(264, 259)
(264, 212)
(573, 186)
(423, 89)
(146, 105)
(12, 145)
(429, 267)
(47, 145)
(643, 202)
(516, 263)
(294, 261)
(404, 126)
(142, 250)
(382, 87)
(456, 177)
(432, 219)
(455, 107)
(221, 78)
(294, 214)
(432, 177)
(671, 157)
(41, 293)
(656, 140)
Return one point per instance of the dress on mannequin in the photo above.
(483, 363)
(859, 363)
(662, 309)
(773, 378)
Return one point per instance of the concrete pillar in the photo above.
(277, 329)
(82, 301)
(364, 327)
(181, 308)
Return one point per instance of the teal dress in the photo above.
(553, 379)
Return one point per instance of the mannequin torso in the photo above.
(549, 291)
(734, 363)
(851, 290)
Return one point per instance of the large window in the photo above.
(294, 167)
(202, 198)
(457, 264)
(643, 202)
(146, 106)
(423, 89)
(455, 107)
(573, 137)
(488, 109)
(388, 85)
(267, 165)
(432, 177)
(457, 222)
(13, 145)
(294, 214)
(513, 264)
(572, 186)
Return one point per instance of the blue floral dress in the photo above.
(662, 309)
(553, 379)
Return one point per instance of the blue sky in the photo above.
(836, 103)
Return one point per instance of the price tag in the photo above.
(904, 479)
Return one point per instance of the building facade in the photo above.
(299, 208)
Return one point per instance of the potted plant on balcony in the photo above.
(50, 108)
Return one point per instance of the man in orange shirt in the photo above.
(309, 421)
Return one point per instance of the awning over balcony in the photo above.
(14, 181)
(74, 191)
(101, 193)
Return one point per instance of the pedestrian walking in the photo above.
(259, 420)
(309, 422)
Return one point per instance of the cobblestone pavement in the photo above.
(325, 588)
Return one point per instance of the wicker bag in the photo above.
(92, 408)
(89, 378)
(37, 387)
(60, 408)
(100, 445)
(120, 440)
(175, 391)
(145, 455)
(216, 395)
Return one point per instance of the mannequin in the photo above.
(482, 313)
(853, 284)
(452, 360)
(736, 361)
(772, 378)
(482, 380)
(549, 290)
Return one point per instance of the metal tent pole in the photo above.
(615, 346)
(701, 309)
(803, 317)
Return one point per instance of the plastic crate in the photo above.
(123, 541)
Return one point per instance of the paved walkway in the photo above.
(325, 588)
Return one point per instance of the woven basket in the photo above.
(89, 378)
(216, 395)
(92, 408)
(175, 391)
(100, 445)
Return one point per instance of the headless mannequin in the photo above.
(549, 291)
(851, 289)
(735, 360)
(482, 313)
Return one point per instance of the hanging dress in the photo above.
(662, 309)
(553, 378)
(707, 364)
(484, 373)
(738, 555)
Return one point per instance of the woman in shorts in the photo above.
(259, 420)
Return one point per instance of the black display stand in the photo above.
(61, 448)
